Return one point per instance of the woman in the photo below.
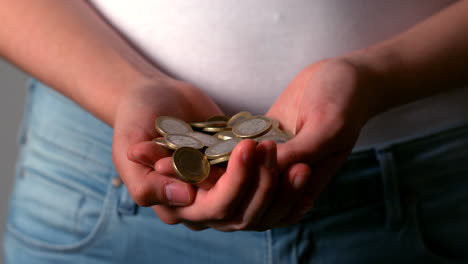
(107, 69)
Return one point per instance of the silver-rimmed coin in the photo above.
(215, 129)
(220, 160)
(206, 139)
(221, 149)
(278, 139)
(161, 142)
(273, 131)
(252, 127)
(208, 124)
(175, 141)
(224, 135)
(238, 117)
(274, 123)
(218, 118)
(170, 125)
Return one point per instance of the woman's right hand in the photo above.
(134, 120)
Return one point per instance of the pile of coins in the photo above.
(217, 137)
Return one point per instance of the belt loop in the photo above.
(391, 190)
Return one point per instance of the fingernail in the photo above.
(177, 194)
(300, 180)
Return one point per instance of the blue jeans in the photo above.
(402, 202)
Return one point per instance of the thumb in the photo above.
(307, 146)
(147, 153)
(146, 186)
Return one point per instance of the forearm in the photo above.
(427, 59)
(68, 46)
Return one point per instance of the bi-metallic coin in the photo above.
(161, 142)
(218, 118)
(252, 127)
(190, 165)
(221, 149)
(220, 160)
(224, 135)
(175, 141)
(278, 139)
(238, 117)
(209, 124)
(171, 125)
(206, 139)
(215, 129)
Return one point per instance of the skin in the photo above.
(264, 185)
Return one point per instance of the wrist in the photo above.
(376, 71)
(102, 94)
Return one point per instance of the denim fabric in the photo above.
(402, 202)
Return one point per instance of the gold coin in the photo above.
(171, 125)
(224, 135)
(190, 164)
(161, 142)
(218, 118)
(220, 160)
(252, 127)
(238, 117)
(215, 129)
(209, 124)
(175, 141)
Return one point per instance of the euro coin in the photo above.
(278, 139)
(206, 139)
(224, 135)
(274, 123)
(175, 141)
(209, 124)
(220, 160)
(252, 127)
(215, 129)
(218, 118)
(190, 165)
(161, 142)
(221, 149)
(238, 117)
(170, 125)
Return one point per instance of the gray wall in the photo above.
(12, 91)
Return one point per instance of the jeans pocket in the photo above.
(50, 215)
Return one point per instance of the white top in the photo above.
(243, 53)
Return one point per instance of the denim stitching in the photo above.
(100, 226)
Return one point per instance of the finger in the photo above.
(147, 187)
(264, 191)
(195, 226)
(304, 147)
(222, 200)
(151, 188)
(165, 166)
(292, 188)
(325, 170)
(144, 185)
(147, 153)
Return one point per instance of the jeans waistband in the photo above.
(388, 172)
